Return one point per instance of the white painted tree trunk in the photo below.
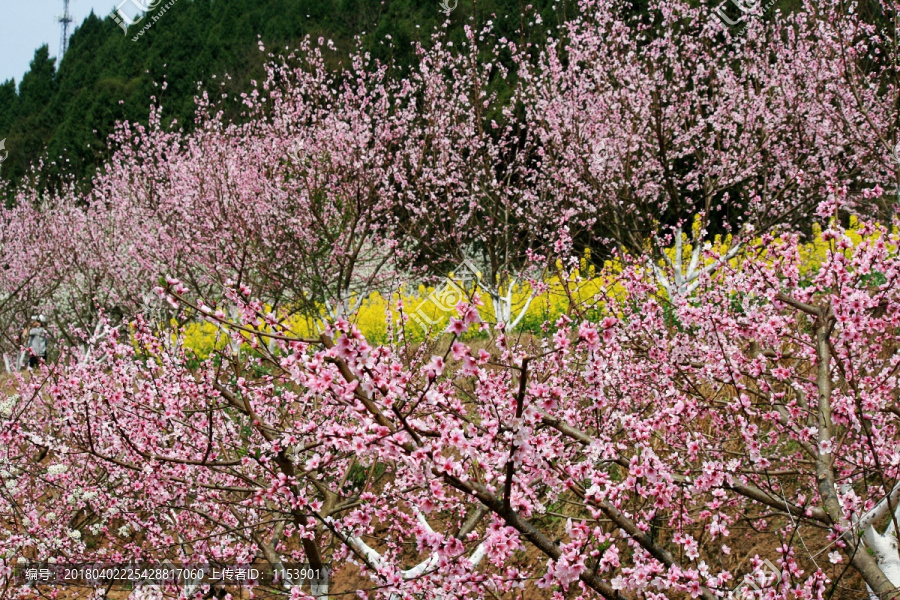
(503, 304)
(376, 560)
(343, 308)
(234, 344)
(146, 592)
(684, 281)
(101, 331)
(883, 545)
(318, 588)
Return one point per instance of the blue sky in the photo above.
(25, 25)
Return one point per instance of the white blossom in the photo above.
(7, 404)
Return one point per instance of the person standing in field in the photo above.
(37, 342)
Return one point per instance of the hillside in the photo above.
(70, 109)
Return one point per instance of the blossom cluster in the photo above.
(717, 394)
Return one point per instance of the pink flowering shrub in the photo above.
(633, 457)
(708, 407)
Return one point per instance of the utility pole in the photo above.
(64, 20)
